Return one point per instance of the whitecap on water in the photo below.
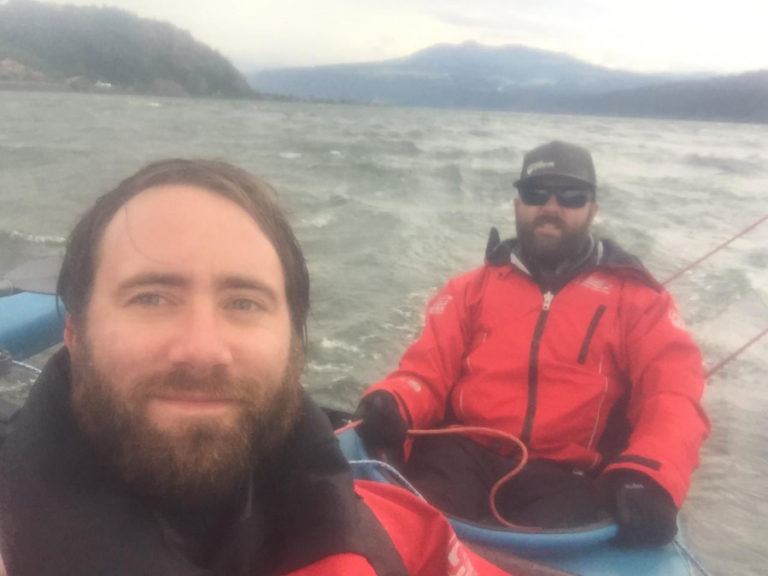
(37, 238)
(330, 344)
(319, 221)
(326, 368)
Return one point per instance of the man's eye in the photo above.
(148, 300)
(245, 305)
(572, 193)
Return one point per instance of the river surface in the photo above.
(388, 203)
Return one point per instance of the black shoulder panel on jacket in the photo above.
(626, 265)
(498, 253)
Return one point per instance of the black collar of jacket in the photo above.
(62, 512)
(613, 259)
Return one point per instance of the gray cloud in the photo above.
(646, 35)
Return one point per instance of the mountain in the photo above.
(96, 48)
(737, 98)
(521, 79)
(465, 75)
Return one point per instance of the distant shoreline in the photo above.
(63, 87)
(11, 86)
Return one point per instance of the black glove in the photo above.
(646, 514)
(382, 427)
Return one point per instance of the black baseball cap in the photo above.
(560, 159)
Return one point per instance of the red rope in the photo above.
(714, 250)
(695, 263)
(351, 426)
(478, 430)
(734, 354)
(492, 432)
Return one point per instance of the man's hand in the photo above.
(382, 427)
(646, 514)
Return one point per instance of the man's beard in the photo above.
(197, 462)
(548, 253)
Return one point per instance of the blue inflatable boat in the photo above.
(29, 323)
(585, 551)
(31, 319)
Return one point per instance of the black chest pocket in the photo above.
(593, 324)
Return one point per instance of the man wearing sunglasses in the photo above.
(566, 342)
(554, 210)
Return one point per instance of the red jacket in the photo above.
(422, 536)
(550, 367)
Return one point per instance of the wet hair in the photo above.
(251, 193)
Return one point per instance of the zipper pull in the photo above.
(548, 297)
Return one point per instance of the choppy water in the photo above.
(389, 203)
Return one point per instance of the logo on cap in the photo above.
(540, 165)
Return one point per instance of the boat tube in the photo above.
(584, 550)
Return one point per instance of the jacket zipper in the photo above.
(533, 367)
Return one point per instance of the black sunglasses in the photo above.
(566, 197)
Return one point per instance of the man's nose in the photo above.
(551, 205)
(200, 342)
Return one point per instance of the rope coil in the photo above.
(465, 430)
(491, 432)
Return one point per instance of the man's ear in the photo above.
(70, 334)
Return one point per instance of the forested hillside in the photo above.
(92, 48)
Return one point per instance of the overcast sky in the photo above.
(640, 35)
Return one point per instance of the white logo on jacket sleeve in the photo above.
(458, 560)
(439, 304)
(676, 320)
(410, 382)
(596, 283)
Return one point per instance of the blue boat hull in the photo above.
(587, 551)
(29, 323)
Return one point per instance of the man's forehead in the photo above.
(180, 225)
(176, 202)
(182, 208)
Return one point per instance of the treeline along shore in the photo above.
(49, 47)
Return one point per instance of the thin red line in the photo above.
(714, 250)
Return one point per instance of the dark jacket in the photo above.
(62, 512)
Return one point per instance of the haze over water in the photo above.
(389, 203)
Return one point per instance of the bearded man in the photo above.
(171, 436)
(567, 342)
